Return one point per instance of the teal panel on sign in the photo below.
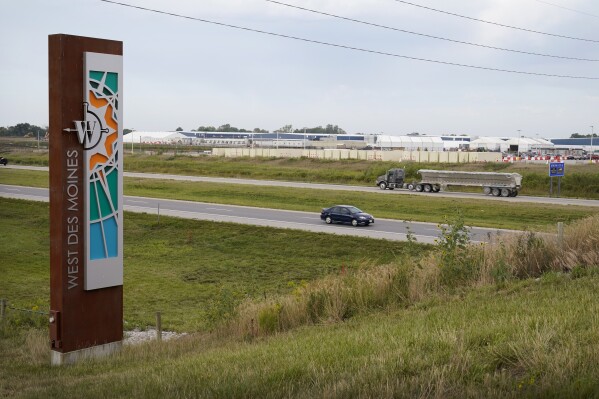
(96, 241)
(96, 75)
(94, 214)
(113, 180)
(111, 234)
(112, 81)
(103, 200)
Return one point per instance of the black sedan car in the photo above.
(346, 214)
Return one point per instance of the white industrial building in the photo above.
(529, 145)
(155, 138)
(489, 144)
(513, 144)
(409, 143)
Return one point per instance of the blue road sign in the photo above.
(556, 169)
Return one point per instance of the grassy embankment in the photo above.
(477, 212)
(581, 179)
(458, 321)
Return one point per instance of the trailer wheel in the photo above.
(505, 192)
(496, 192)
(419, 187)
(487, 190)
(436, 189)
(427, 188)
(514, 193)
(382, 185)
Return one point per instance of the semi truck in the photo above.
(492, 183)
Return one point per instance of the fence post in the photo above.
(2, 308)
(560, 235)
(158, 327)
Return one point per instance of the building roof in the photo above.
(149, 136)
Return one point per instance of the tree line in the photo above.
(328, 129)
(23, 130)
(28, 130)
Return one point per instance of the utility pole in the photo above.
(518, 143)
(304, 138)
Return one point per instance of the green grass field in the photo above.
(476, 212)
(529, 339)
(191, 271)
(515, 338)
(516, 319)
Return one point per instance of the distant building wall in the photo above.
(338, 154)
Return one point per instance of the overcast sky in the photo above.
(187, 73)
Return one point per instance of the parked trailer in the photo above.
(496, 184)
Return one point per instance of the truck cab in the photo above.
(394, 178)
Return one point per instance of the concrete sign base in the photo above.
(63, 358)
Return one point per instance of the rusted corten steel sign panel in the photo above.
(86, 207)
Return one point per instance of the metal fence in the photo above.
(5, 307)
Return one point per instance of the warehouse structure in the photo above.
(410, 142)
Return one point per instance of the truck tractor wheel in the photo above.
(354, 222)
(419, 187)
(487, 190)
(328, 220)
(436, 189)
(410, 187)
(382, 185)
(496, 192)
(427, 188)
(505, 192)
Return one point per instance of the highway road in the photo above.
(318, 186)
(382, 228)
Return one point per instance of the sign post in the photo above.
(86, 197)
(556, 169)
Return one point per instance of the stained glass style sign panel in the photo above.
(103, 146)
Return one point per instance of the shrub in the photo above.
(315, 305)
(223, 306)
(268, 319)
(456, 259)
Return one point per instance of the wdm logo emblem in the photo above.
(90, 130)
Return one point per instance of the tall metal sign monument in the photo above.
(86, 197)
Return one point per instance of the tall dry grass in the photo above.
(331, 299)
(410, 280)
(530, 254)
(35, 347)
